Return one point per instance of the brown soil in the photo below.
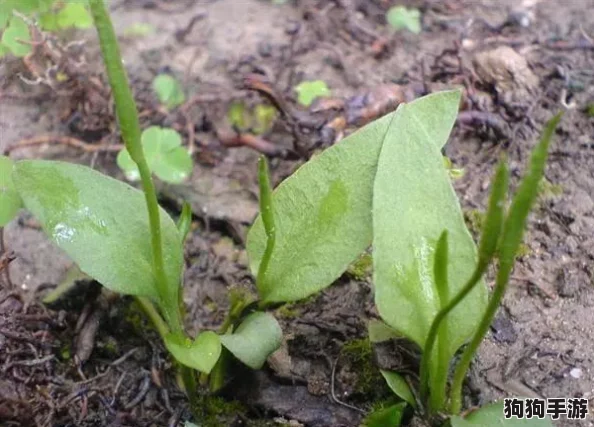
(542, 343)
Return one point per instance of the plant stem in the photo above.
(435, 326)
(130, 128)
(463, 365)
(267, 219)
(152, 313)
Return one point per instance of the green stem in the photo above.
(439, 318)
(152, 313)
(464, 364)
(130, 128)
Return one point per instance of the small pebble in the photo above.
(576, 373)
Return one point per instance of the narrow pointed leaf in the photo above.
(256, 338)
(201, 354)
(413, 203)
(267, 212)
(399, 386)
(523, 201)
(495, 214)
(322, 212)
(101, 223)
(492, 416)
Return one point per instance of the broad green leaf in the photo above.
(168, 90)
(399, 386)
(10, 201)
(164, 154)
(413, 203)
(402, 18)
(378, 332)
(492, 416)
(386, 417)
(256, 338)
(74, 15)
(101, 223)
(308, 91)
(201, 354)
(323, 211)
(16, 33)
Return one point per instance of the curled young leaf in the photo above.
(399, 386)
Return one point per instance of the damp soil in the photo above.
(93, 360)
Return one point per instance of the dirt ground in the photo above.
(519, 62)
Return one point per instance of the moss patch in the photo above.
(370, 383)
(361, 268)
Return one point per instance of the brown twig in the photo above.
(65, 140)
(235, 139)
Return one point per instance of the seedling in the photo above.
(387, 184)
(258, 119)
(169, 91)
(402, 18)
(164, 153)
(308, 91)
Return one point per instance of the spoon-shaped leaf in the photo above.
(10, 201)
(256, 338)
(323, 211)
(413, 203)
(102, 223)
(201, 354)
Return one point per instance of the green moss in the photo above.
(361, 268)
(65, 352)
(524, 250)
(370, 383)
(288, 311)
(216, 411)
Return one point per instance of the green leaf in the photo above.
(492, 416)
(401, 18)
(102, 224)
(17, 31)
(399, 386)
(10, 201)
(164, 154)
(408, 219)
(74, 15)
(386, 417)
(308, 91)
(168, 90)
(322, 212)
(256, 338)
(380, 332)
(201, 354)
